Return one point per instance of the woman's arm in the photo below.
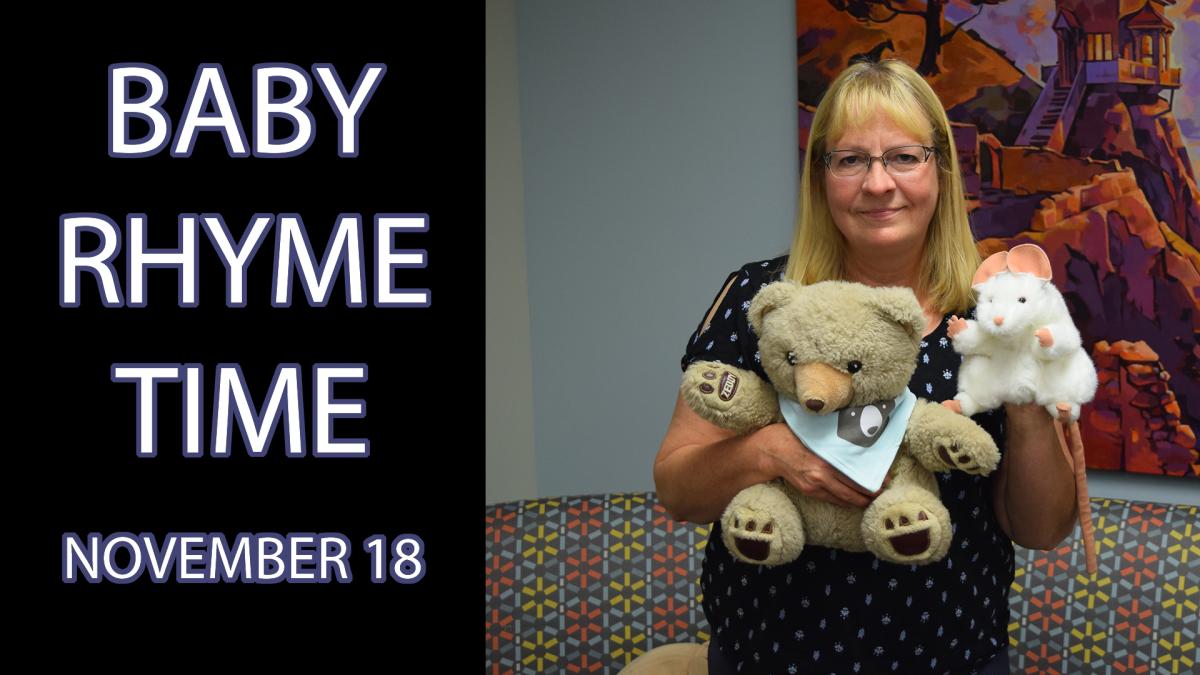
(1033, 492)
(701, 467)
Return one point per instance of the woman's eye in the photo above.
(791, 358)
(904, 158)
(854, 366)
(849, 160)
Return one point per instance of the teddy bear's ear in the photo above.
(772, 296)
(995, 263)
(1030, 259)
(899, 305)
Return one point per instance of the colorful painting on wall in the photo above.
(1076, 126)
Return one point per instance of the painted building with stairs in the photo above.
(1121, 46)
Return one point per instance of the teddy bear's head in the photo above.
(835, 344)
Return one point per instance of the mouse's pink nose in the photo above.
(998, 320)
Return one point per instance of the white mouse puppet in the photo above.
(1023, 347)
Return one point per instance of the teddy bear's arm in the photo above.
(942, 440)
(729, 397)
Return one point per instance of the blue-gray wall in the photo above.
(659, 145)
(658, 152)
(511, 460)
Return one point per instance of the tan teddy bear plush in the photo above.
(839, 356)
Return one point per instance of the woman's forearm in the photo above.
(1035, 483)
(700, 467)
(695, 483)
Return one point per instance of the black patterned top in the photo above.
(836, 612)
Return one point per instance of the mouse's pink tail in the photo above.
(1070, 436)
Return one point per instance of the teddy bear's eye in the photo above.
(854, 366)
(791, 358)
(1020, 299)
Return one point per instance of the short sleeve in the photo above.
(724, 333)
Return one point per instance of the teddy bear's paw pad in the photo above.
(755, 535)
(908, 530)
(955, 456)
(720, 383)
(714, 386)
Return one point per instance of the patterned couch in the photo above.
(586, 584)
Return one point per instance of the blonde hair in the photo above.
(949, 259)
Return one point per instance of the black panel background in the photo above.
(70, 462)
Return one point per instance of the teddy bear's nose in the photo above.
(814, 404)
(998, 320)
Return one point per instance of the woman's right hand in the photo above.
(784, 455)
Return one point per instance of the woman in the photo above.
(881, 204)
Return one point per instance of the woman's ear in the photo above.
(772, 296)
(996, 263)
(1030, 259)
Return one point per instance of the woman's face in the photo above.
(879, 210)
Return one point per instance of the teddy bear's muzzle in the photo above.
(821, 388)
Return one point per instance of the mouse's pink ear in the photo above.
(996, 263)
(1030, 259)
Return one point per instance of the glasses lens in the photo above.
(848, 162)
(903, 160)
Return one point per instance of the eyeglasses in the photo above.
(901, 160)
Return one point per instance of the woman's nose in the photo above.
(878, 180)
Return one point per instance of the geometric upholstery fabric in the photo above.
(1138, 614)
(587, 584)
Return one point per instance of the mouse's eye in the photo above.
(1020, 299)
(791, 358)
(854, 366)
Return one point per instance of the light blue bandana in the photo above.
(860, 442)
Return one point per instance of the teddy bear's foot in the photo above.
(761, 526)
(729, 397)
(907, 525)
